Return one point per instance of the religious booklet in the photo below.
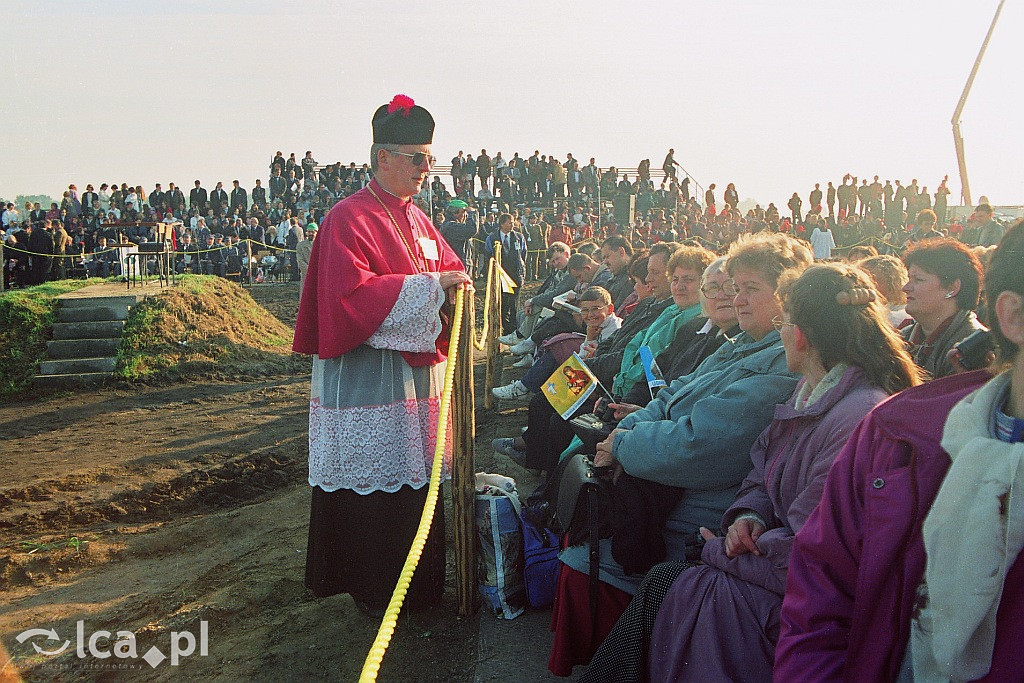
(560, 302)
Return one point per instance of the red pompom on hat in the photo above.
(401, 102)
(402, 122)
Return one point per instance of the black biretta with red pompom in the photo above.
(402, 122)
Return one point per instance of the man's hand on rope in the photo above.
(450, 281)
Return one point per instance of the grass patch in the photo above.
(26, 318)
(74, 543)
(206, 327)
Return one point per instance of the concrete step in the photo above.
(80, 314)
(81, 348)
(107, 329)
(77, 300)
(82, 379)
(67, 366)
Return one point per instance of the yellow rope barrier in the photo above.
(104, 251)
(8, 247)
(481, 344)
(371, 666)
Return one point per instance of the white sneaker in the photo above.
(524, 362)
(510, 392)
(525, 346)
(507, 447)
(510, 339)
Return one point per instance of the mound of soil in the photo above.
(206, 327)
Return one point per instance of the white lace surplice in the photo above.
(413, 323)
(373, 417)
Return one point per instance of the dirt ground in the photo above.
(152, 509)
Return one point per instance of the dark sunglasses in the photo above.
(418, 158)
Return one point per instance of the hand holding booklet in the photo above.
(560, 302)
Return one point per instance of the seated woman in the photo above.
(942, 293)
(599, 321)
(720, 620)
(911, 566)
(695, 435)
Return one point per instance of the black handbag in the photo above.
(579, 499)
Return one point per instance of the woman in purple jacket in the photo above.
(719, 621)
(911, 567)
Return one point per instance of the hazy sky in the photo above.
(773, 96)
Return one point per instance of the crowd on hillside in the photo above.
(762, 514)
(550, 199)
(215, 231)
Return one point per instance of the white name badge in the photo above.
(429, 248)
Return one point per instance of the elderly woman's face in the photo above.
(755, 302)
(717, 303)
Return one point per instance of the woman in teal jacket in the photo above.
(684, 270)
(696, 435)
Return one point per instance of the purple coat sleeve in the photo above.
(818, 607)
(769, 569)
(752, 496)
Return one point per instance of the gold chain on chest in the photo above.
(412, 255)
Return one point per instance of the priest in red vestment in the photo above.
(372, 315)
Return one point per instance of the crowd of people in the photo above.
(760, 504)
(548, 199)
(215, 232)
(827, 485)
(784, 506)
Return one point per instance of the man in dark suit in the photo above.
(175, 199)
(40, 243)
(513, 262)
(104, 261)
(459, 229)
(259, 195)
(278, 185)
(157, 199)
(277, 161)
(212, 258)
(197, 198)
(234, 253)
(218, 199)
(38, 215)
(239, 198)
(187, 256)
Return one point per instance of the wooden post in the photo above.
(491, 347)
(463, 481)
